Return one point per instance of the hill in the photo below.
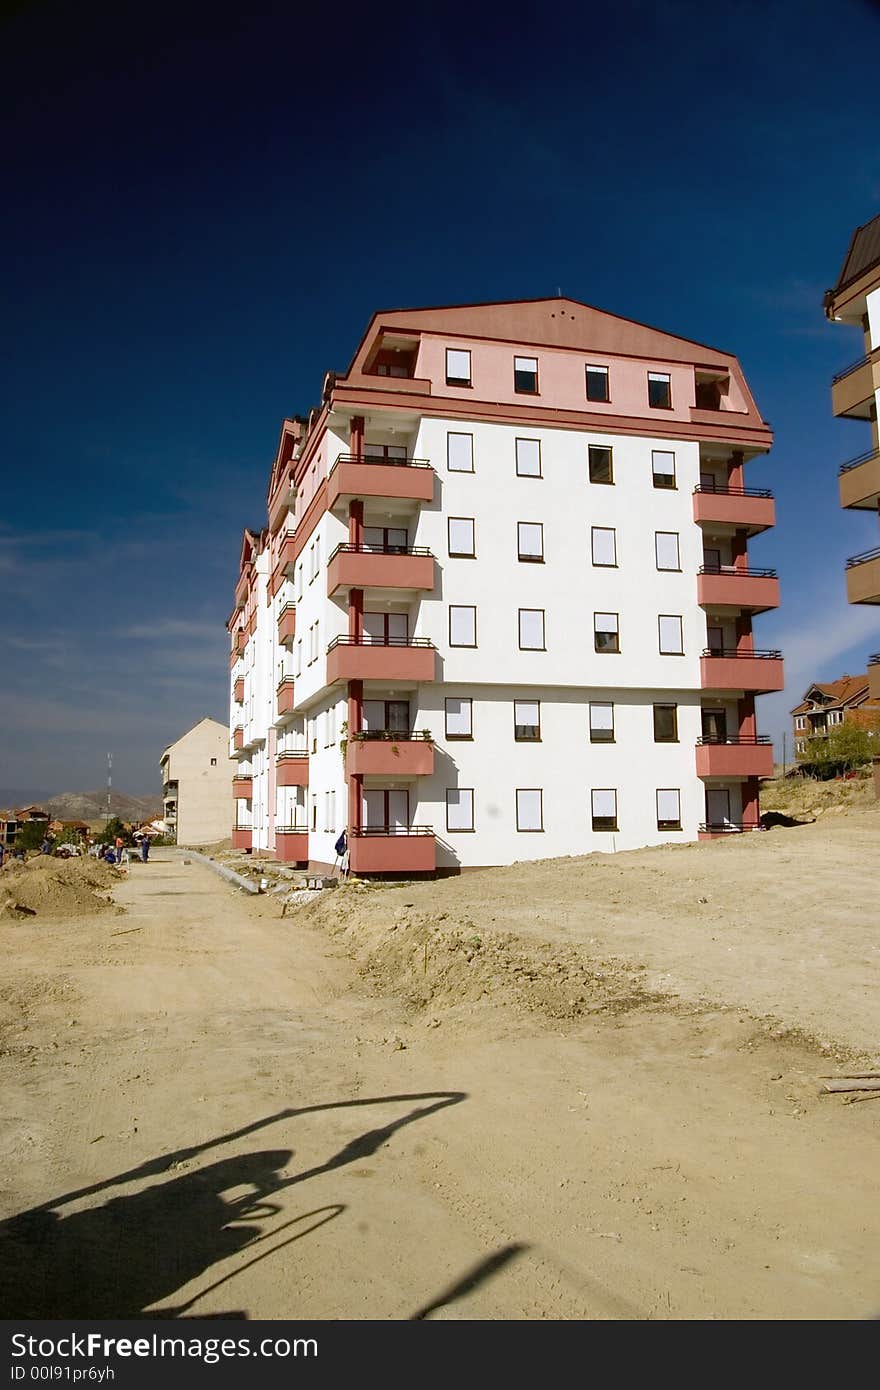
(92, 805)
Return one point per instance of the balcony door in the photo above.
(383, 629)
(386, 809)
(717, 806)
(387, 539)
(715, 640)
(714, 725)
(391, 715)
(385, 453)
(711, 559)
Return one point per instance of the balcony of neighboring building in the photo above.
(287, 625)
(740, 756)
(388, 753)
(242, 786)
(748, 509)
(292, 768)
(859, 482)
(284, 563)
(852, 390)
(392, 660)
(238, 738)
(292, 844)
(281, 501)
(242, 839)
(737, 587)
(387, 479)
(284, 697)
(380, 567)
(239, 641)
(863, 577)
(238, 690)
(727, 668)
(392, 849)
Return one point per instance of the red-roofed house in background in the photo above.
(826, 704)
(8, 827)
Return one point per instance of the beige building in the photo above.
(196, 772)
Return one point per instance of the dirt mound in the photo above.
(57, 888)
(805, 798)
(443, 959)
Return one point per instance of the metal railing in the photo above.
(865, 556)
(291, 830)
(731, 654)
(393, 736)
(734, 740)
(365, 641)
(731, 490)
(860, 458)
(853, 367)
(728, 827)
(348, 548)
(732, 571)
(874, 660)
(285, 680)
(283, 753)
(386, 462)
(367, 830)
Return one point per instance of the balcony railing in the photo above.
(853, 367)
(863, 559)
(345, 640)
(346, 548)
(379, 459)
(733, 572)
(728, 827)
(394, 735)
(732, 654)
(859, 459)
(735, 740)
(874, 660)
(731, 490)
(368, 830)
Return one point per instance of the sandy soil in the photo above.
(569, 1091)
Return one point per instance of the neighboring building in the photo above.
(825, 705)
(78, 827)
(31, 813)
(855, 395)
(503, 605)
(8, 827)
(195, 784)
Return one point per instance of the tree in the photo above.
(112, 829)
(846, 747)
(31, 834)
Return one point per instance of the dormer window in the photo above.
(458, 367)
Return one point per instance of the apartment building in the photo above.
(855, 395)
(195, 784)
(826, 705)
(503, 604)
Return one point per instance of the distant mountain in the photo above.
(13, 798)
(86, 805)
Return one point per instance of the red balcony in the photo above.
(353, 475)
(735, 757)
(242, 839)
(859, 482)
(393, 850)
(238, 737)
(863, 577)
(243, 787)
(284, 696)
(287, 625)
(238, 691)
(729, 669)
(239, 641)
(292, 770)
(748, 590)
(720, 832)
(292, 844)
(852, 390)
(281, 501)
(740, 508)
(360, 658)
(389, 754)
(361, 567)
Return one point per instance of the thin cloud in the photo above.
(171, 629)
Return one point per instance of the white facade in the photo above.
(574, 618)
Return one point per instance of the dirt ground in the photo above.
(578, 1089)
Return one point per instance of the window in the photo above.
(462, 626)
(531, 630)
(604, 545)
(668, 808)
(388, 540)
(601, 469)
(606, 637)
(601, 723)
(597, 384)
(528, 458)
(314, 810)
(659, 391)
(525, 375)
(529, 809)
(459, 808)
(671, 640)
(213, 762)
(801, 722)
(666, 723)
(386, 453)
(604, 808)
(663, 468)
(460, 453)
(459, 718)
(530, 541)
(711, 559)
(527, 721)
(386, 629)
(460, 537)
(666, 550)
(458, 367)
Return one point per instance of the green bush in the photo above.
(844, 749)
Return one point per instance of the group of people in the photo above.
(118, 854)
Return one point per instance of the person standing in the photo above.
(145, 849)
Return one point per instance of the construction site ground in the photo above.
(583, 1088)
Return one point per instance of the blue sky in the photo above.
(203, 211)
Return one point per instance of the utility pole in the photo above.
(109, 781)
(784, 742)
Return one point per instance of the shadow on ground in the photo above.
(138, 1248)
